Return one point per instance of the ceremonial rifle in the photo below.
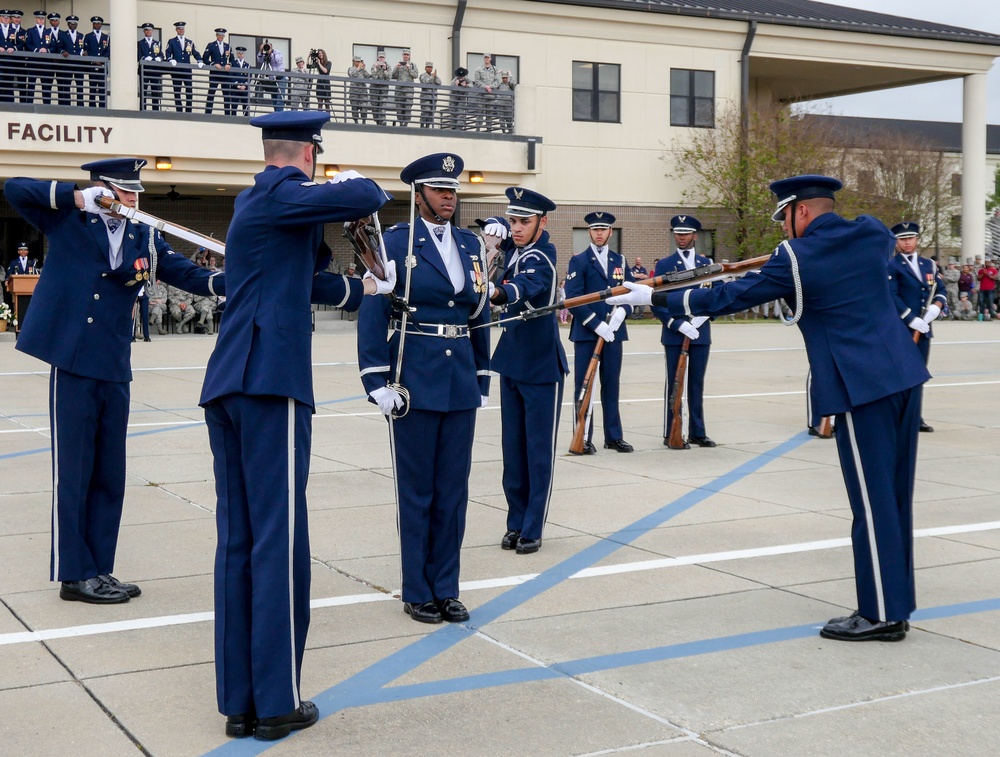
(586, 395)
(139, 216)
(930, 301)
(675, 440)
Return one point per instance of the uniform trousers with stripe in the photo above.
(260, 445)
(610, 370)
(89, 422)
(697, 365)
(529, 416)
(924, 345)
(432, 459)
(877, 444)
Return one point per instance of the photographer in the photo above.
(379, 92)
(319, 63)
(405, 71)
(270, 59)
(358, 89)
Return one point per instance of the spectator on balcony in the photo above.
(8, 44)
(299, 85)
(20, 36)
(182, 50)
(428, 95)
(150, 50)
(239, 83)
(71, 74)
(505, 102)
(219, 57)
(36, 40)
(320, 63)
(459, 105)
(358, 90)
(97, 44)
(405, 71)
(379, 92)
(269, 58)
(486, 78)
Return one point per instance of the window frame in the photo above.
(596, 93)
(692, 99)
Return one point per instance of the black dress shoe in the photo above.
(619, 444)
(589, 448)
(842, 618)
(452, 610)
(528, 546)
(131, 589)
(859, 628)
(925, 428)
(269, 729)
(701, 441)
(813, 431)
(241, 726)
(509, 540)
(93, 591)
(147, 339)
(423, 612)
(666, 443)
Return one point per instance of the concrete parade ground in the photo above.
(673, 610)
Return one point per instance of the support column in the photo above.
(974, 165)
(124, 84)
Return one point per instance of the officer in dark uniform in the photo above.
(865, 371)
(258, 400)
(150, 50)
(238, 87)
(443, 365)
(81, 324)
(532, 365)
(594, 270)
(911, 280)
(97, 44)
(182, 50)
(676, 330)
(36, 39)
(219, 57)
(8, 44)
(71, 75)
(22, 264)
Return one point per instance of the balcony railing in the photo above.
(51, 79)
(252, 91)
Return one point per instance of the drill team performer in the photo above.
(80, 323)
(912, 279)
(444, 367)
(865, 370)
(532, 365)
(258, 400)
(594, 270)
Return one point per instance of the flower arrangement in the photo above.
(6, 314)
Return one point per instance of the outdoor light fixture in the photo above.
(331, 171)
(476, 177)
(164, 164)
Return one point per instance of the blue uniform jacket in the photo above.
(530, 351)
(35, 40)
(859, 350)
(9, 40)
(67, 45)
(585, 275)
(80, 318)
(440, 374)
(212, 54)
(910, 293)
(154, 52)
(669, 334)
(14, 269)
(264, 345)
(182, 54)
(97, 49)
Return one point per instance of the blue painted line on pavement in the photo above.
(367, 684)
(147, 432)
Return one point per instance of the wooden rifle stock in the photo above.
(675, 440)
(825, 429)
(586, 392)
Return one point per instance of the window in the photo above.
(510, 63)
(581, 240)
(596, 92)
(956, 185)
(282, 44)
(692, 98)
(393, 55)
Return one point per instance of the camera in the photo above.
(313, 58)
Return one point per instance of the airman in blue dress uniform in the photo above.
(219, 56)
(675, 330)
(443, 364)
(594, 270)
(532, 365)
(182, 50)
(911, 280)
(97, 44)
(80, 323)
(865, 371)
(258, 400)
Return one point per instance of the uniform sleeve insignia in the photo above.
(571, 276)
(308, 184)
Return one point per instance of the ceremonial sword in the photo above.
(182, 232)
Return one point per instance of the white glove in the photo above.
(200, 64)
(932, 312)
(485, 401)
(698, 321)
(604, 331)
(689, 331)
(173, 62)
(919, 324)
(384, 286)
(496, 230)
(90, 195)
(617, 319)
(387, 399)
(493, 288)
(345, 176)
(639, 294)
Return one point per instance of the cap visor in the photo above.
(127, 186)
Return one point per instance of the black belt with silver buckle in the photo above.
(445, 330)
